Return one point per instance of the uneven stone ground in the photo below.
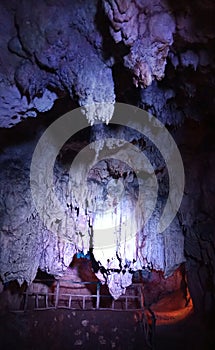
(63, 329)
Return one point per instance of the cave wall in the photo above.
(196, 214)
(158, 55)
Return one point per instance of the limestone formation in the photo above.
(155, 54)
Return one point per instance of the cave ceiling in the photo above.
(97, 51)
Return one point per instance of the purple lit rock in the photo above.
(149, 35)
(54, 46)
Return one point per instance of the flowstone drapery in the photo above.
(100, 212)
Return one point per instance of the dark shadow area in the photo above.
(124, 88)
(27, 129)
(109, 46)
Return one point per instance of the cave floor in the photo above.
(66, 329)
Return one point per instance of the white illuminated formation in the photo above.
(110, 199)
(114, 241)
(109, 224)
(107, 217)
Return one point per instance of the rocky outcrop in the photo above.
(53, 49)
(147, 28)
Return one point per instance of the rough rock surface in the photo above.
(50, 49)
(53, 48)
(156, 54)
(148, 28)
(196, 215)
(27, 244)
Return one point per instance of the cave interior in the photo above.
(106, 126)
